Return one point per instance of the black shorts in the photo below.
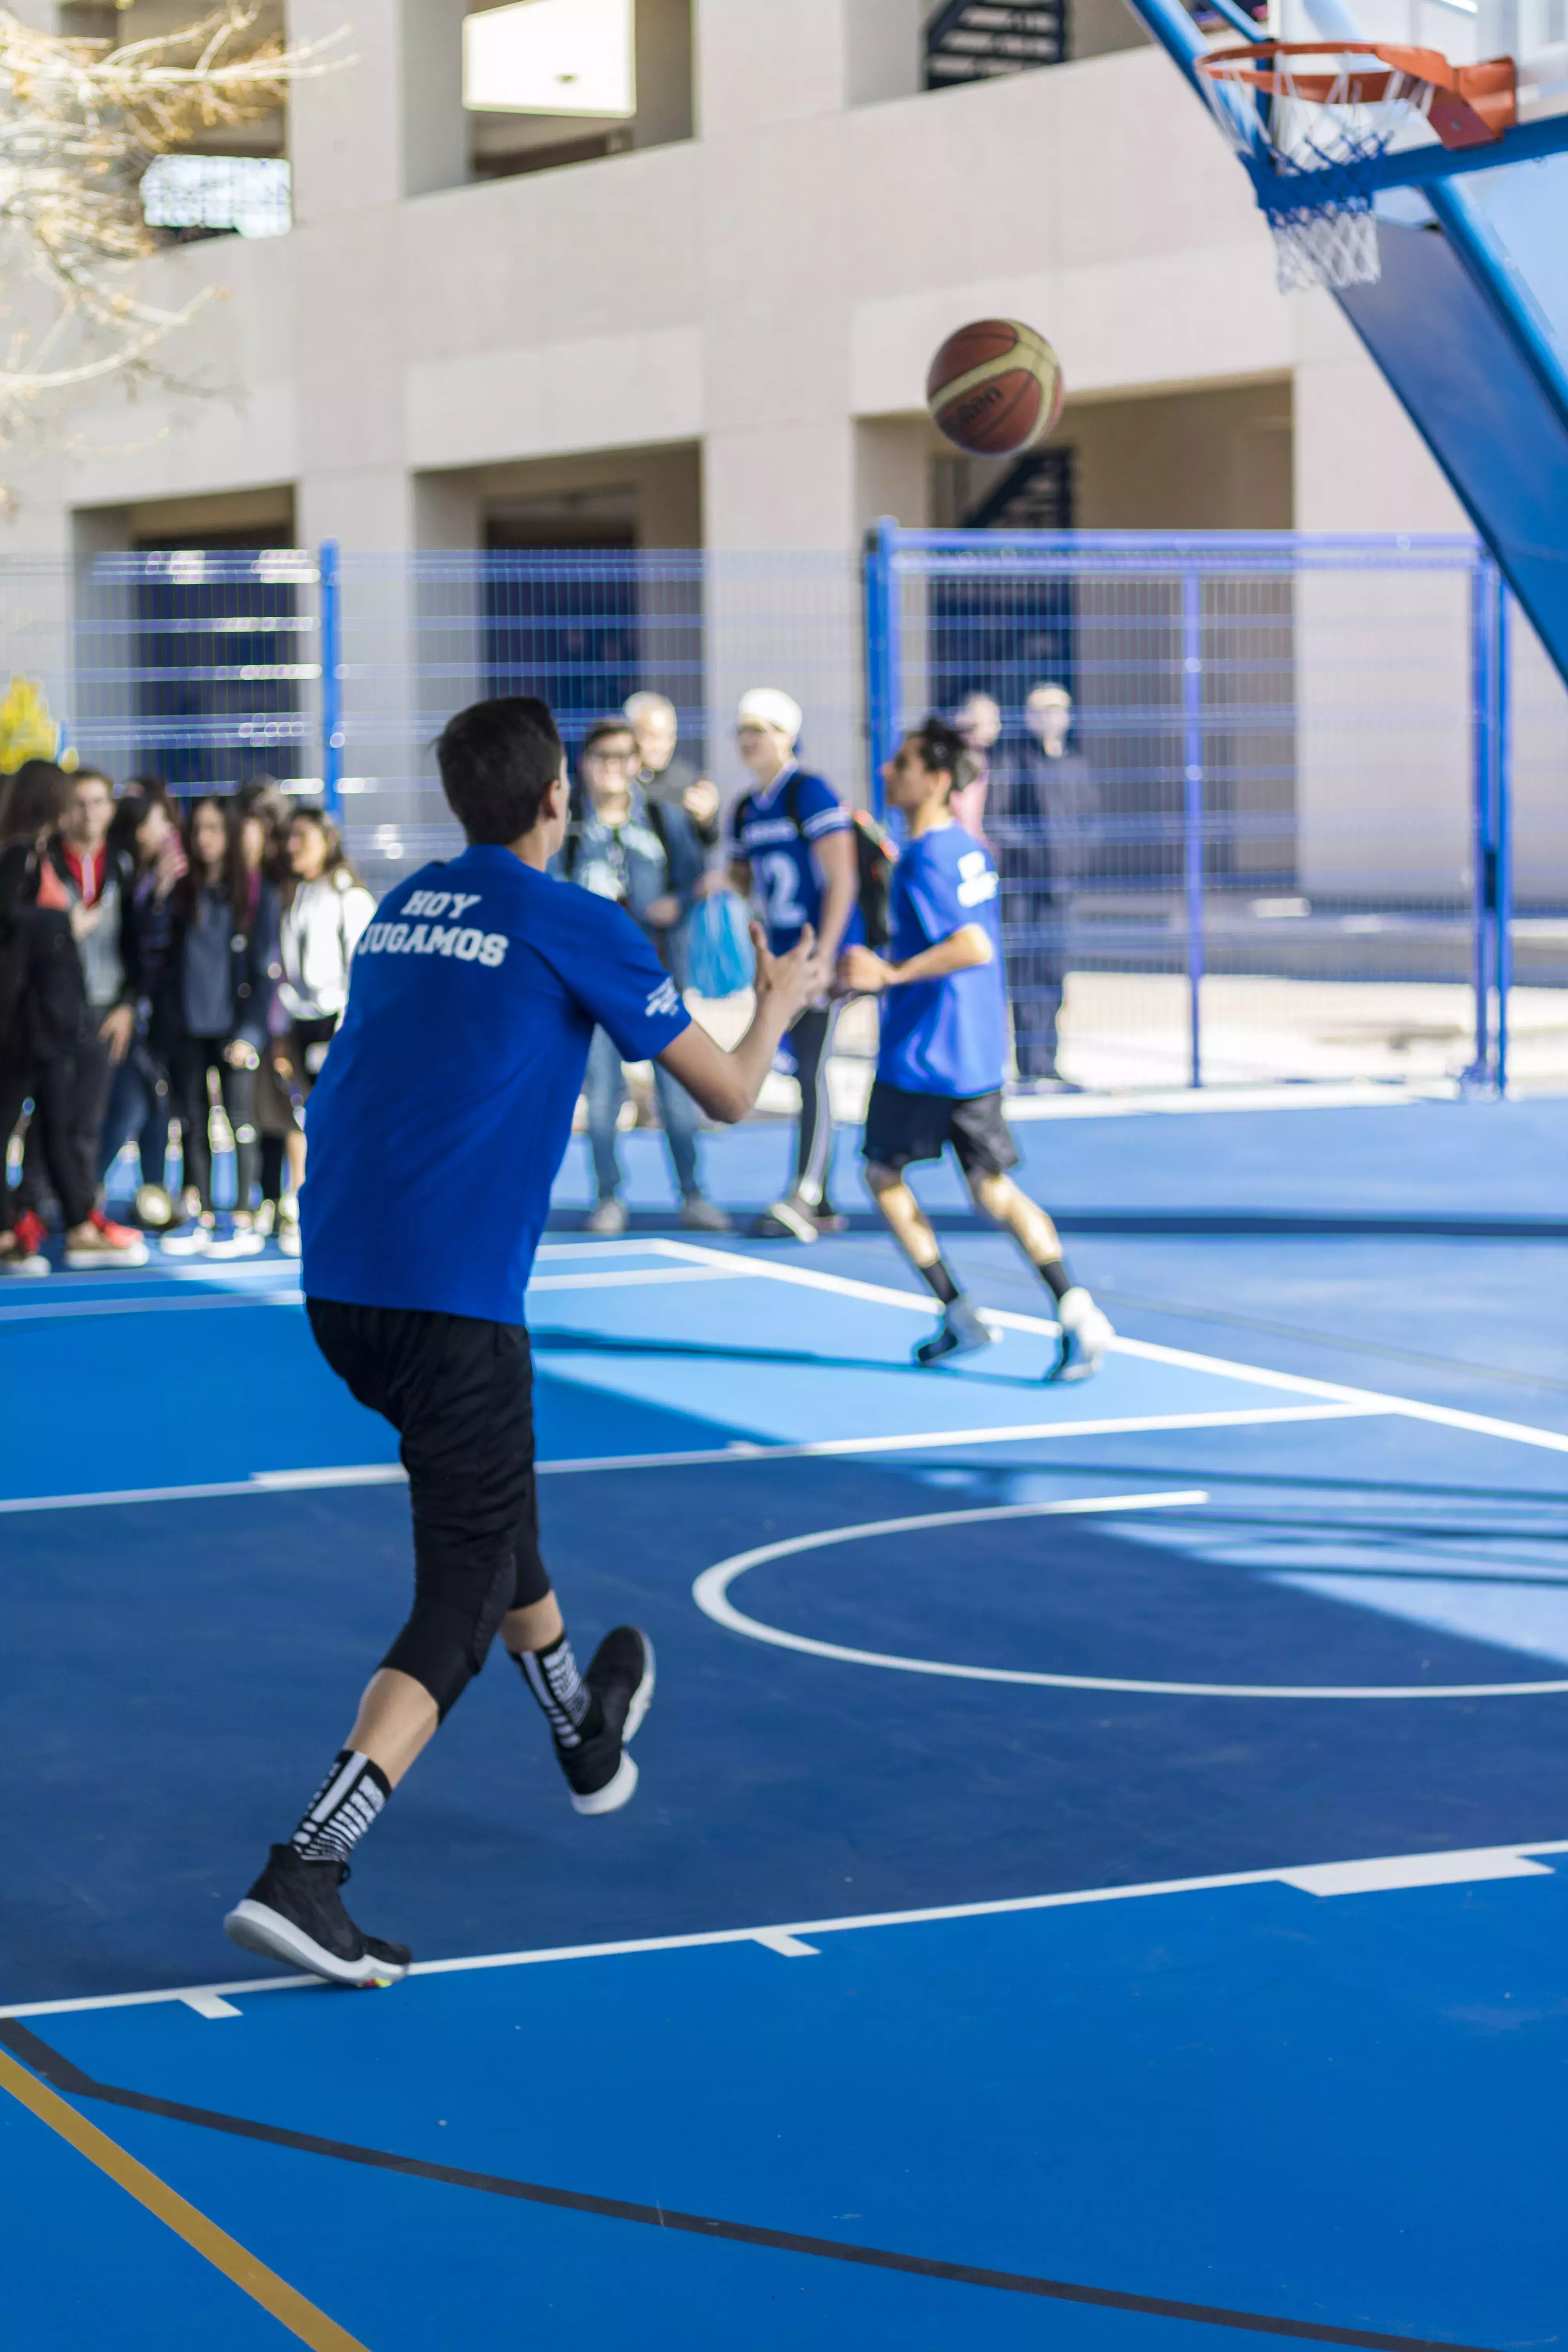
(900, 1128)
(460, 1393)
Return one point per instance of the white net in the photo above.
(1337, 246)
(1310, 138)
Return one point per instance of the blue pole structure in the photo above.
(332, 679)
(1483, 719)
(1503, 830)
(884, 686)
(1193, 804)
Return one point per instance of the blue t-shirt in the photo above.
(445, 1107)
(944, 1037)
(785, 883)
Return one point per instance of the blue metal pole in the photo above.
(884, 686)
(1193, 805)
(332, 679)
(1483, 579)
(1503, 830)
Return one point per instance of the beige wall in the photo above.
(768, 292)
(1217, 460)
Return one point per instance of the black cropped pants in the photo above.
(460, 1393)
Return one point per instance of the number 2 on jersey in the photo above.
(778, 887)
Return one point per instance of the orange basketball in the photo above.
(995, 388)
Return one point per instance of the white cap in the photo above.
(769, 705)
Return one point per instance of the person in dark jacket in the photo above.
(146, 830)
(646, 855)
(95, 877)
(48, 1035)
(211, 1015)
(1041, 820)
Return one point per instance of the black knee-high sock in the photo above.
(570, 1707)
(1055, 1276)
(938, 1277)
(342, 1809)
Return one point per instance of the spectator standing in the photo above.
(144, 829)
(46, 1034)
(647, 856)
(665, 775)
(96, 879)
(325, 909)
(211, 1014)
(794, 855)
(978, 720)
(1041, 804)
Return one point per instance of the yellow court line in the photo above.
(264, 2286)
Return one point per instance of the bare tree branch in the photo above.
(79, 123)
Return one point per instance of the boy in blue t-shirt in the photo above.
(437, 1130)
(944, 1054)
(792, 852)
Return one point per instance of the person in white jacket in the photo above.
(326, 908)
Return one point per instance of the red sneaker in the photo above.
(100, 1242)
(31, 1235)
(120, 1237)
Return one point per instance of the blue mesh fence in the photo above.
(1259, 812)
(1245, 792)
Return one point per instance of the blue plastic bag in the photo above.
(718, 946)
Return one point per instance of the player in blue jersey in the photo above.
(793, 853)
(437, 1130)
(944, 1056)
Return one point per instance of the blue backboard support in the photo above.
(1469, 325)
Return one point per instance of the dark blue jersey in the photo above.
(773, 833)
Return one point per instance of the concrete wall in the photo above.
(769, 291)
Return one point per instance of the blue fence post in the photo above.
(884, 687)
(1502, 824)
(332, 679)
(1193, 802)
(1483, 715)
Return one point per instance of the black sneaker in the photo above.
(294, 1913)
(600, 1774)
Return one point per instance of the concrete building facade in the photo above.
(717, 335)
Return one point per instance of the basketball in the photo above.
(995, 388)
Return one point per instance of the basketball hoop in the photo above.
(1310, 121)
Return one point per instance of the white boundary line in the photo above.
(1469, 1865)
(1368, 1400)
(68, 1309)
(710, 1592)
(392, 1474)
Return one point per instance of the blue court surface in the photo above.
(1099, 1874)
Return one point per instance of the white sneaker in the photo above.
(288, 1229)
(16, 1260)
(1086, 1334)
(241, 1241)
(152, 1207)
(193, 1240)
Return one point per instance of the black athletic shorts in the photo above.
(900, 1128)
(460, 1393)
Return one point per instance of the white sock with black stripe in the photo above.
(341, 1809)
(570, 1707)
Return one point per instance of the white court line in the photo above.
(1388, 1875)
(712, 1589)
(628, 1278)
(392, 1474)
(58, 1310)
(1480, 1424)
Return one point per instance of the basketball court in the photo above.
(1097, 1848)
